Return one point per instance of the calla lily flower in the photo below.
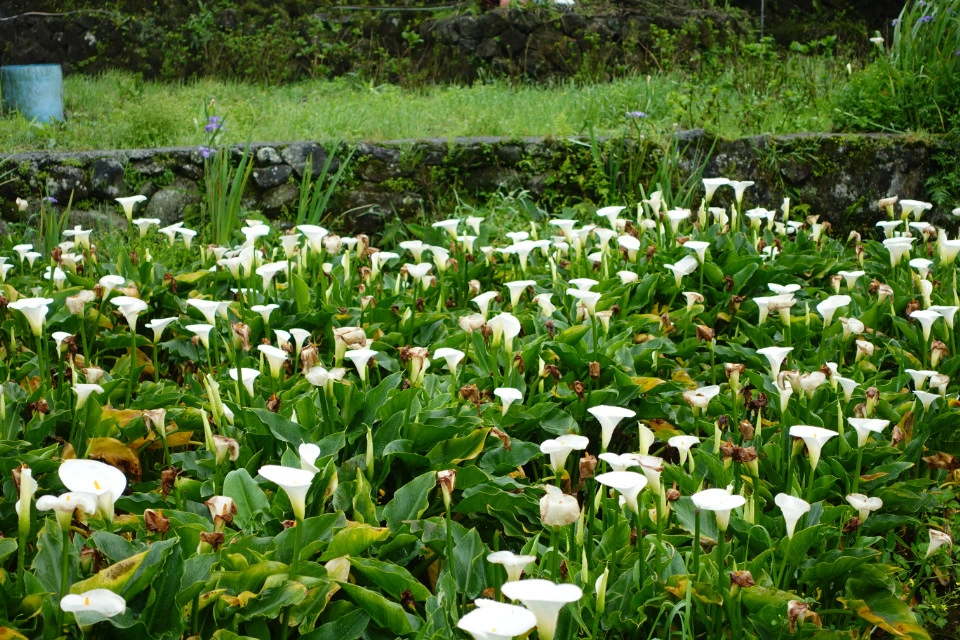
(451, 356)
(775, 356)
(557, 509)
(628, 484)
(83, 392)
(65, 504)
(700, 398)
(647, 438)
(99, 601)
(937, 540)
(864, 505)
(683, 445)
(246, 376)
(792, 509)
(851, 277)
(683, 267)
(926, 398)
(512, 563)
(544, 599)
(295, 482)
(505, 328)
(915, 207)
(620, 462)
(131, 308)
(158, 325)
(129, 202)
(559, 448)
(948, 313)
(516, 289)
(508, 395)
(493, 620)
(711, 185)
(275, 357)
(360, 359)
(631, 245)
(208, 308)
(202, 331)
(609, 417)
(721, 502)
(739, 186)
(34, 310)
(926, 318)
(866, 426)
(829, 306)
(814, 438)
(94, 477)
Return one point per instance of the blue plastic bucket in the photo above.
(35, 90)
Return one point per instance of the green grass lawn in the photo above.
(791, 93)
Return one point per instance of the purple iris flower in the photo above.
(214, 123)
(926, 18)
(637, 114)
(50, 199)
(206, 152)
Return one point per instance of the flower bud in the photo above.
(447, 481)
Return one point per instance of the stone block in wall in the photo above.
(274, 200)
(169, 203)
(272, 176)
(265, 156)
(63, 180)
(107, 178)
(297, 154)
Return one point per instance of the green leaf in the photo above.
(156, 616)
(350, 625)
(131, 576)
(455, 450)
(389, 615)
(301, 293)
(247, 494)
(888, 612)
(468, 560)
(354, 540)
(410, 501)
(283, 429)
(8, 546)
(392, 578)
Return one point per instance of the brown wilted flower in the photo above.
(155, 521)
(744, 455)
(852, 524)
(518, 363)
(4, 302)
(473, 288)
(578, 389)
(447, 480)
(241, 335)
(941, 460)
(170, 281)
(309, 357)
(651, 250)
(168, 478)
(798, 613)
(154, 420)
(470, 393)
(735, 302)
(504, 438)
(550, 326)
(665, 325)
(854, 237)
(551, 370)
(472, 322)
(938, 351)
(211, 539)
(225, 448)
(76, 303)
(273, 404)
(672, 494)
(594, 369)
(727, 449)
(746, 429)
(912, 306)
(741, 579)
(896, 436)
(40, 406)
(705, 333)
(588, 466)
(289, 524)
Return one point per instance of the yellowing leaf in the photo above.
(122, 416)
(339, 568)
(646, 383)
(240, 600)
(6, 633)
(684, 378)
(116, 454)
(191, 278)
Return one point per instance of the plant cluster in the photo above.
(653, 422)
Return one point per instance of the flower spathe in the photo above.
(508, 395)
(84, 391)
(246, 376)
(512, 563)
(295, 482)
(557, 509)
(814, 438)
(66, 503)
(864, 504)
(937, 540)
(866, 426)
(559, 448)
(721, 502)
(94, 477)
(34, 310)
(493, 620)
(792, 509)
(100, 601)
(544, 599)
(609, 417)
(628, 484)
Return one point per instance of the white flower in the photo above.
(360, 359)
(829, 306)
(559, 448)
(505, 328)
(451, 356)
(850, 277)
(34, 310)
(775, 356)
(863, 504)
(926, 398)
(558, 509)
(739, 186)
(295, 482)
(721, 502)
(711, 185)
(544, 599)
(516, 288)
(619, 462)
(512, 563)
(685, 266)
(246, 376)
(792, 509)
(628, 484)
(100, 601)
(926, 318)
(609, 417)
(83, 392)
(91, 476)
(450, 226)
(128, 204)
(493, 620)
(683, 445)
(318, 376)
(508, 395)
(208, 308)
(916, 207)
(866, 426)
(158, 325)
(275, 357)
(814, 438)
(937, 540)
(627, 277)
(66, 503)
(130, 308)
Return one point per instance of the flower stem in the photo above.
(64, 572)
(783, 565)
(856, 475)
(297, 542)
(133, 366)
(555, 546)
(916, 583)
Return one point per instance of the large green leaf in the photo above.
(410, 501)
(131, 576)
(451, 452)
(385, 613)
(354, 540)
(888, 612)
(247, 494)
(389, 577)
(350, 625)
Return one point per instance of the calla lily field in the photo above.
(642, 421)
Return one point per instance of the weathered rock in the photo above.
(97, 219)
(169, 204)
(274, 200)
(272, 176)
(107, 178)
(267, 156)
(62, 181)
(297, 154)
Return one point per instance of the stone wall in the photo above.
(839, 177)
(393, 46)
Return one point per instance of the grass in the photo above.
(759, 94)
